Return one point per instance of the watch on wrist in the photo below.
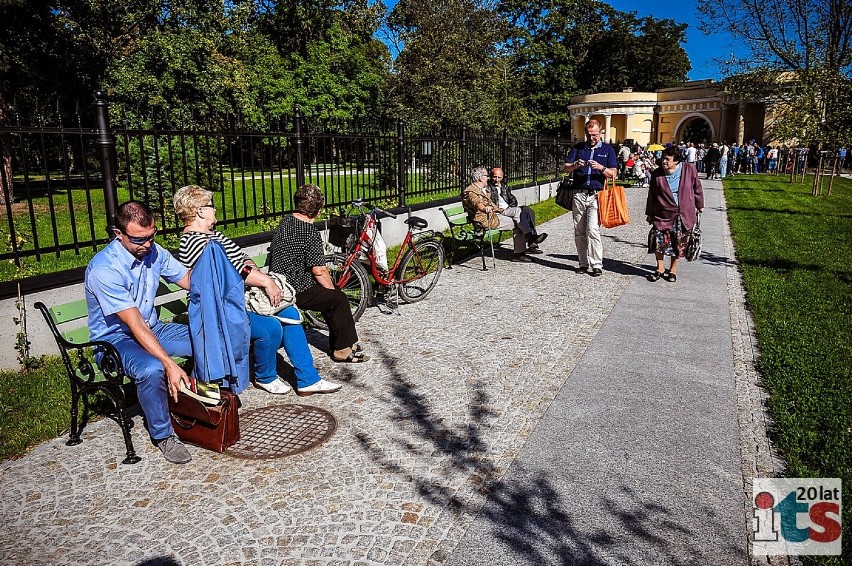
(244, 272)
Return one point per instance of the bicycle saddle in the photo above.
(416, 222)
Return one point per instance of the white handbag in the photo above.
(258, 302)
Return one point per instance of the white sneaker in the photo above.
(276, 387)
(321, 386)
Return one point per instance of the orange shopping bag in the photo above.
(612, 206)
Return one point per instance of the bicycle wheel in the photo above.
(420, 271)
(356, 287)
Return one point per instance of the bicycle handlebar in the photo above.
(362, 204)
(384, 212)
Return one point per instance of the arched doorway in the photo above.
(695, 128)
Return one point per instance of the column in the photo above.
(723, 122)
(607, 120)
(741, 123)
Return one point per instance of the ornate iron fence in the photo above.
(61, 179)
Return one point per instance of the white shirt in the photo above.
(500, 202)
(690, 154)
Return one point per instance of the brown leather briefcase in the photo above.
(214, 428)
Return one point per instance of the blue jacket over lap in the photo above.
(217, 320)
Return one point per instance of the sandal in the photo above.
(671, 277)
(353, 358)
(655, 276)
(357, 348)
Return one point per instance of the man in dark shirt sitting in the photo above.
(502, 197)
(591, 162)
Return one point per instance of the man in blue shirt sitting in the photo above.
(591, 162)
(121, 284)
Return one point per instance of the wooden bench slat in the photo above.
(77, 335)
(68, 312)
(260, 260)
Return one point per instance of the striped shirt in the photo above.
(192, 244)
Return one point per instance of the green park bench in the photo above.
(462, 231)
(105, 389)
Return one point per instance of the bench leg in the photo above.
(74, 434)
(124, 423)
(452, 254)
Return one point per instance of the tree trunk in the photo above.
(7, 189)
(817, 188)
(834, 168)
(7, 192)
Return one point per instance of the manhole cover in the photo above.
(282, 430)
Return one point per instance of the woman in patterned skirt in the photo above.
(675, 198)
(194, 206)
(297, 252)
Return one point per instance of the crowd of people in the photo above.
(715, 161)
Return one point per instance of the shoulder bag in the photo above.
(565, 192)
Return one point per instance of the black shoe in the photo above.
(534, 250)
(596, 272)
(521, 258)
(539, 238)
(583, 269)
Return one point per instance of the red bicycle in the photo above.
(413, 275)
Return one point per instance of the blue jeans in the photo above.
(268, 335)
(149, 374)
(723, 167)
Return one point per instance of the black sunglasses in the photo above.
(140, 240)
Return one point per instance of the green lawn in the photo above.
(34, 406)
(796, 262)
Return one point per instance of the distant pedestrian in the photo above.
(724, 153)
(772, 155)
(712, 161)
(675, 197)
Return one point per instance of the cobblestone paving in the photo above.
(425, 431)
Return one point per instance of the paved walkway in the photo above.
(523, 415)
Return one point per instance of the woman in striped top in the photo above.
(194, 206)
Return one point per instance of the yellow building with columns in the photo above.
(663, 115)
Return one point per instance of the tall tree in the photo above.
(450, 71)
(566, 47)
(799, 54)
(35, 70)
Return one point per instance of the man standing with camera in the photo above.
(591, 163)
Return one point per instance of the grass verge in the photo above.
(796, 261)
(34, 406)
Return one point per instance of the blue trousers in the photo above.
(149, 374)
(268, 335)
